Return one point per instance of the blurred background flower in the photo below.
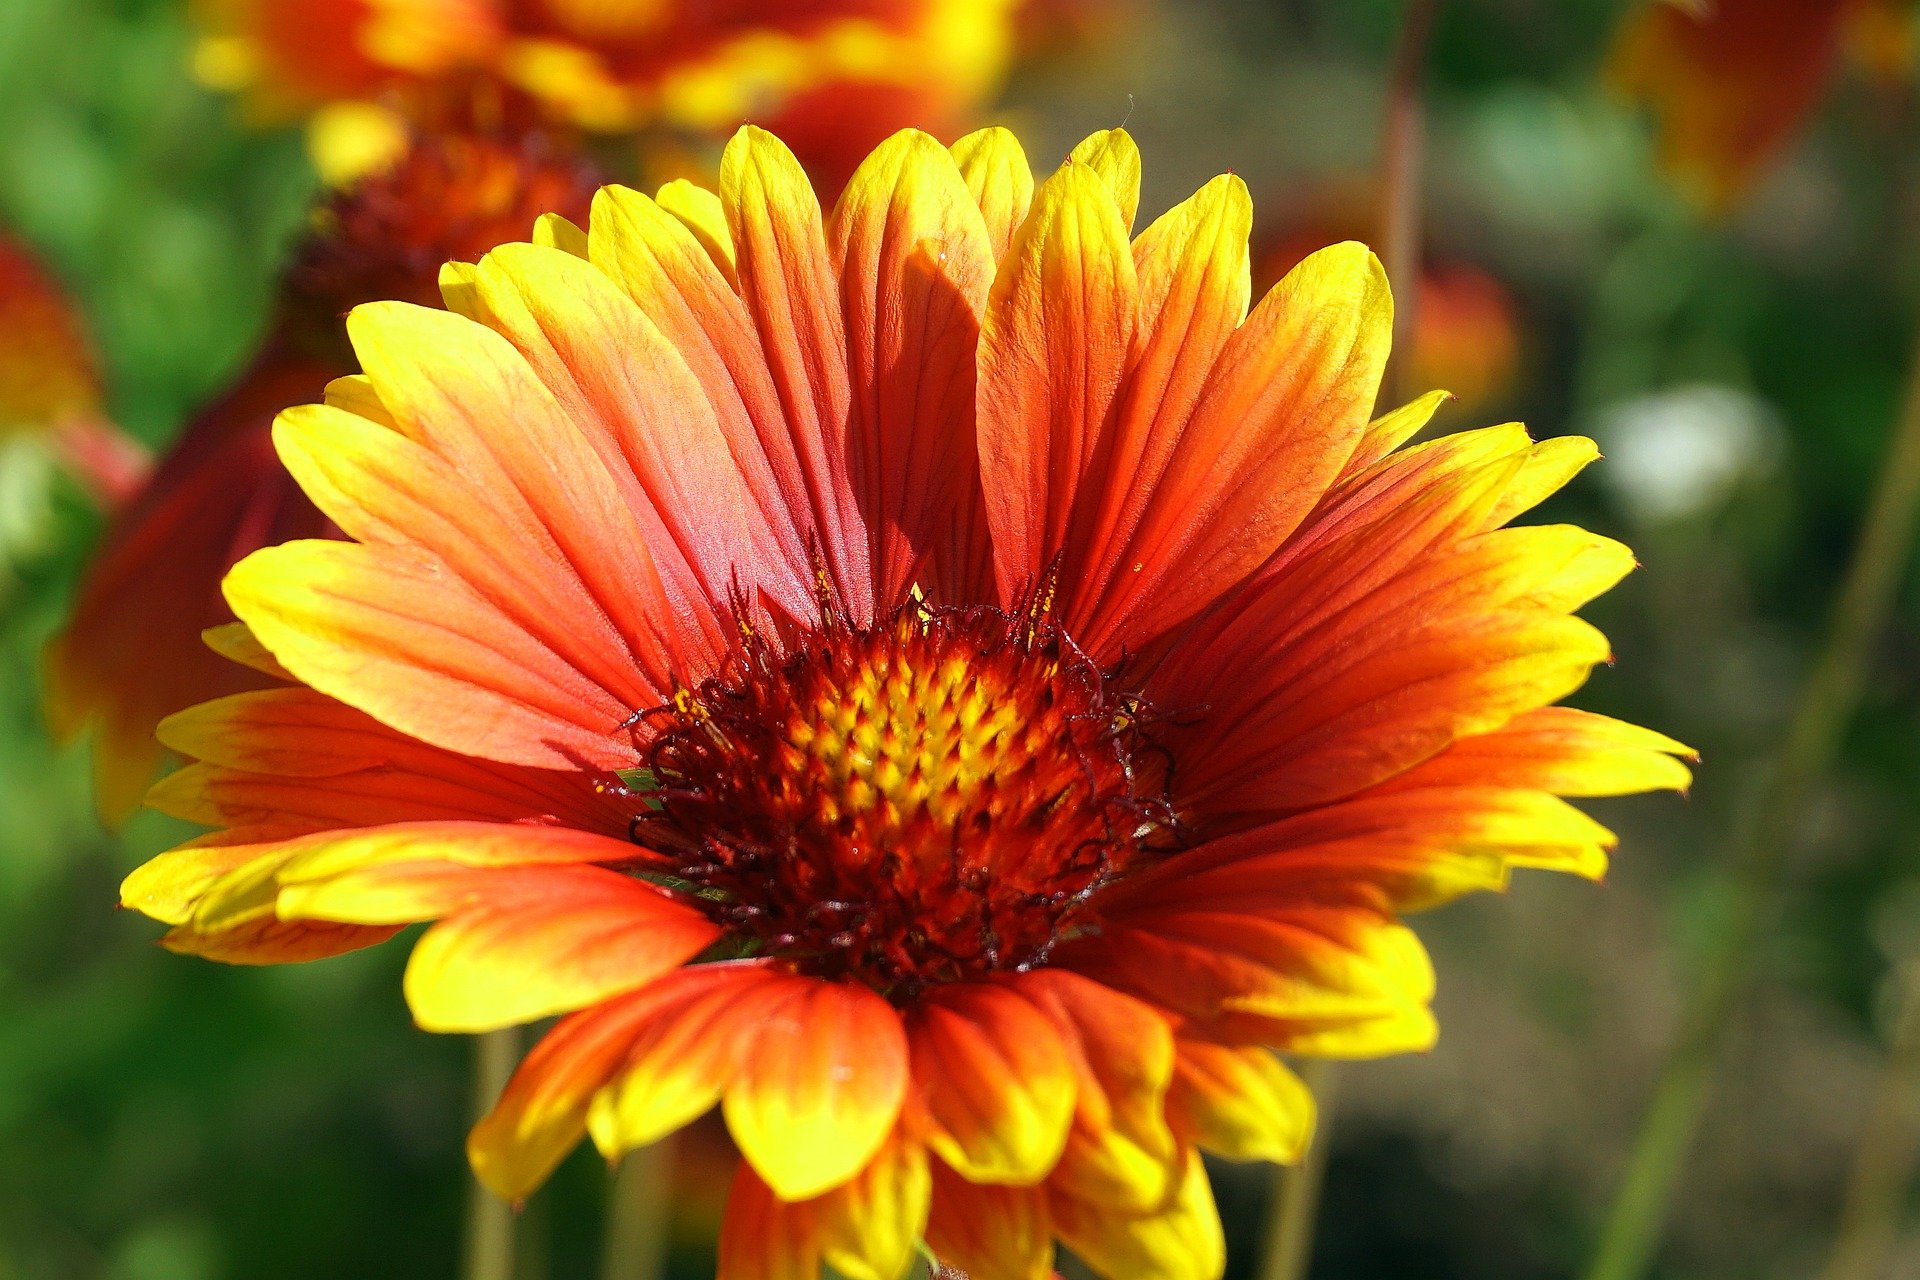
(834, 75)
(132, 653)
(1729, 82)
(48, 374)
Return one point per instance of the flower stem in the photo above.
(638, 1205)
(1759, 848)
(489, 1243)
(1296, 1192)
(110, 464)
(1889, 1151)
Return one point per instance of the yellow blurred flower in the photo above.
(352, 67)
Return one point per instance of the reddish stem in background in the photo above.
(1402, 166)
(110, 464)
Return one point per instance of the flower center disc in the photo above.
(920, 801)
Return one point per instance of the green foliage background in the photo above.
(167, 1119)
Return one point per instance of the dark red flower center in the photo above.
(451, 196)
(934, 797)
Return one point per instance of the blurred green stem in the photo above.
(1884, 1164)
(1758, 852)
(638, 1212)
(1296, 1192)
(489, 1244)
(1402, 152)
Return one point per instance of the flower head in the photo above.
(943, 682)
(132, 653)
(47, 367)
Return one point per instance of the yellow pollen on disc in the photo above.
(900, 740)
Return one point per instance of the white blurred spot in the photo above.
(1683, 452)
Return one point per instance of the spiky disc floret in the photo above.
(931, 798)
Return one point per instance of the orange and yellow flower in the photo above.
(944, 683)
(1729, 82)
(48, 374)
(132, 653)
(841, 73)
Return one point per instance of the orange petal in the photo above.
(979, 1230)
(916, 265)
(1394, 428)
(1285, 407)
(1334, 978)
(551, 231)
(1373, 711)
(640, 405)
(1386, 629)
(226, 879)
(1547, 468)
(296, 758)
(1054, 348)
(1119, 1151)
(1468, 469)
(234, 642)
(702, 214)
(787, 282)
(1423, 838)
(819, 1088)
(252, 897)
(571, 557)
(528, 944)
(269, 940)
(169, 885)
(1570, 753)
(291, 731)
(1242, 1103)
(1181, 1241)
(546, 1107)
(355, 393)
(867, 1229)
(997, 1084)
(669, 273)
(388, 632)
(872, 1227)
(1194, 288)
(682, 1062)
(1112, 154)
(996, 172)
(764, 1237)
